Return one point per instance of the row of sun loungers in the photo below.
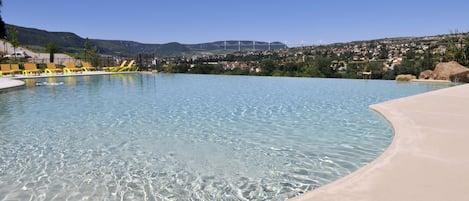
(10, 69)
(31, 68)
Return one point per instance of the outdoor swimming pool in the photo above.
(188, 137)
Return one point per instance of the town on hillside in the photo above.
(372, 59)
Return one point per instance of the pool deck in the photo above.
(9, 82)
(428, 159)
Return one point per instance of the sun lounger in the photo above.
(52, 68)
(129, 67)
(30, 68)
(15, 68)
(5, 69)
(87, 66)
(70, 67)
(112, 68)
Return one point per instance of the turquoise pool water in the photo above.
(188, 137)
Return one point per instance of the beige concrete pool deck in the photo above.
(9, 82)
(428, 159)
(6, 83)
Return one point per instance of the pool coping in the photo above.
(428, 158)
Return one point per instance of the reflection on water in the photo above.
(182, 137)
(71, 81)
(30, 83)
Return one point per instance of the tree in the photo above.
(2, 25)
(383, 53)
(267, 66)
(466, 50)
(87, 46)
(456, 48)
(237, 71)
(407, 67)
(181, 68)
(311, 70)
(2, 28)
(14, 38)
(376, 69)
(206, 69)
(323, 65)
(353, 71)
(94, 56)
(428, 62)
(52, 49)
(389, 75)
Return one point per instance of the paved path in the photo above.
(428, 159)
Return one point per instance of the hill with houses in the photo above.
(376, 59)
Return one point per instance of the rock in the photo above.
(405, 77)
(460, 77)
(425, 75)
(444, 70)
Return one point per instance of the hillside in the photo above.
(71, 43)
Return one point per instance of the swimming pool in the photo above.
(182, 137)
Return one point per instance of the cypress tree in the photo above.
(2, 26)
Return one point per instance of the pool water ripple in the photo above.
(188, 137)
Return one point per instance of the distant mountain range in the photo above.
(67, 42)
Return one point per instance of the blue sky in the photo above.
(196, 21)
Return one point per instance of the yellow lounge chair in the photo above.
(30, 68)
(129, 67)
(15, 68)
(70, 67)
(52, 68)
(5, 69)
(109, 69)
(87, 66)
